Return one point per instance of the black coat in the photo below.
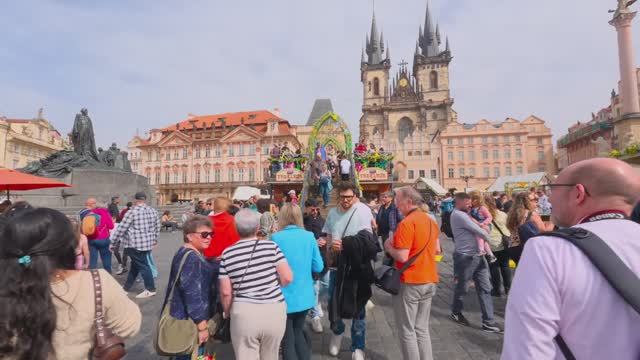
(354, 276)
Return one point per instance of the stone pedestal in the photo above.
(101, 184)
(627, 130)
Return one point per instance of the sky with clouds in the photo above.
(140, 64)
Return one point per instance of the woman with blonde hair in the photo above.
(300, 248)
(499, 246)
(524, 223)
(482, 217)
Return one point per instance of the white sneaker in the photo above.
(334, 344)
(121, 270)
(316, 325)
(370, 305)
(145, 294)
(357, 355)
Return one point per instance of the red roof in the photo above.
(258, 117)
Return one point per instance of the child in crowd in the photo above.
(481, 215)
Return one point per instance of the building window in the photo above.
(216, 175)
(541, 168)
(449, 141)
(175, 178)
(470, 140)
(472, 172)
(376, 86)
(230, 175)
(461, 172)
(485, 154)
(241, 174)
(519, 170)
(168, 156)
(207, 176)
(496, 154)
(517, 138)
(460, 141)
(541, 155)
(265, 149)
(158, 155)
(495, 139)
(507, 138)
(450, 155)
(410, 174)
(539, 141)
(252, 174)
(157, 179)
(197, 152)
(217, 150)
(422, 173)
(472, 156)
(518, 153)
(230, 150)
(197, 176)
(496, 172)
(507, 171)
(485, 172)
(450, 173)
(176, 154)
(433, 80)
(15, 163)
(166, 177)
(507, 153)
(461, 155)
(149, 156)
(485, 139)
(240, 149)
(434, 174)
(185, 153)
(184, 177)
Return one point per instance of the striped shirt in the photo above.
(260, 284)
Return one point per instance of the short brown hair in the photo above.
(346, 186)
(193, 223)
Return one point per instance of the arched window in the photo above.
(376, 86)
(405, 128)
(433, 80)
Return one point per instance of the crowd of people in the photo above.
(255, 274)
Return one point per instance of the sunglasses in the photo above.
(205, 234)
(209, 204)
(347, 197)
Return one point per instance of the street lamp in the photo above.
(466, 180)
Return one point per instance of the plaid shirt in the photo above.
(394, 217)
(139, 229)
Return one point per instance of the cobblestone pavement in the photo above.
(450, 341)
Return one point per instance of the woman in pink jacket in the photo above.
(99, 243)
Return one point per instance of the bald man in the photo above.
(89, 205)
(557, 290)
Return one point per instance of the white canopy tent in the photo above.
(425, 184)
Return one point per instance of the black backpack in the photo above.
(445, 227)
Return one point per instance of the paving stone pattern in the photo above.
(450, 341)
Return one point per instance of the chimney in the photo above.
(276, 112)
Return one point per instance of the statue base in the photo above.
(101, 184)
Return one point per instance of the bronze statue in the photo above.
(82, 136)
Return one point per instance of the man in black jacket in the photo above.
(314, 222)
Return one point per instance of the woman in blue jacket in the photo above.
(301, 251)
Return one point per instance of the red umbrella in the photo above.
(15, 180)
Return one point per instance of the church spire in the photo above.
(362, 58)
(375, 44)
(429, 40)
(388, 53)
(438, 34)
(448, 48)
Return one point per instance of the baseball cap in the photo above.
(140, 196)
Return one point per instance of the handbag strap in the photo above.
(248, 263)
(175, 281)
(624, 281)
(415, 257)
(348, 222)
(99, 319)
(497, 227)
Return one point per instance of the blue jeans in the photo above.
(100, 248)
(139, 264)
(358, 324)
(465, 268)
(324, 190)
(320, 289)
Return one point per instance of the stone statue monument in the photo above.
(602, 146)
(82, 136)
(83, 156)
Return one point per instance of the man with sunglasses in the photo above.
(347, 219)
(558, 291)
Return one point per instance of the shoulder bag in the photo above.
(624, 281)
(109, 346)
(506, 240)
(330, 259)
(223, 333)
(387, 277)
(175, 336)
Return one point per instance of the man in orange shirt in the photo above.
(416, 235)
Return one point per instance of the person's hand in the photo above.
(388, 245)
(322, 241)
(336, 245)
(439, 250)
(203, 336)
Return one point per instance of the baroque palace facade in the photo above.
(26, 140)
(210, 155)
(411, 115)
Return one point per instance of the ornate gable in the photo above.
(240, 134)
(176, 138)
